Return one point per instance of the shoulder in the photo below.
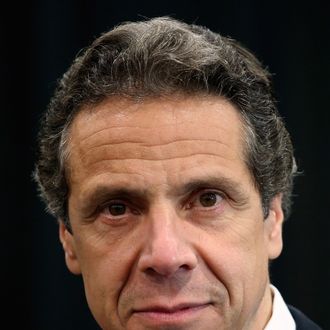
(302, 321)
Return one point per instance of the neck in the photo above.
(264, 311)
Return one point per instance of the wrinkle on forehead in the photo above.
(156, 130)
(120, 115)
(162, 152)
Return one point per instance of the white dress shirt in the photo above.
(281, 318)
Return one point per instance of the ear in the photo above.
(68, 244)
(273, 227)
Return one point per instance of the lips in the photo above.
(170, 314)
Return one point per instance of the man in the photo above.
(170, 170)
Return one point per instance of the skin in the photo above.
(167, 226)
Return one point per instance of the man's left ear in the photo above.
(273, 227)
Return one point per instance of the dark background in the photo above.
(38, 42)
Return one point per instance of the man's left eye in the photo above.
(209, 199)
(206, 199)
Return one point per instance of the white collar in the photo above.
(281, 318)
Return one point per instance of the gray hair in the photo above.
(161, 57)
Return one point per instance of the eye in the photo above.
(209, 199)
(206, 200)
(116, 210)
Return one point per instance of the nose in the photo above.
(166, 250)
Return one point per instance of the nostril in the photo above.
(167, 271)
(153, 273)
(186, 267)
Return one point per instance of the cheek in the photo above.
(105, 269)
(237, 257)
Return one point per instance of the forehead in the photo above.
(120, 132)
(165, 119)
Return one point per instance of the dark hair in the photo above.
(161, 57)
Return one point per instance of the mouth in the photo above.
(170, 315)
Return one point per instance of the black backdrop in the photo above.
(38, 42)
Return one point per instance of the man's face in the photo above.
(168, 229)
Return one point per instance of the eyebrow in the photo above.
(232, 188)
(104, 192)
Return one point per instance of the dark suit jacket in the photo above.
(302, 321)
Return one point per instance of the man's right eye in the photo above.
(115, 210)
